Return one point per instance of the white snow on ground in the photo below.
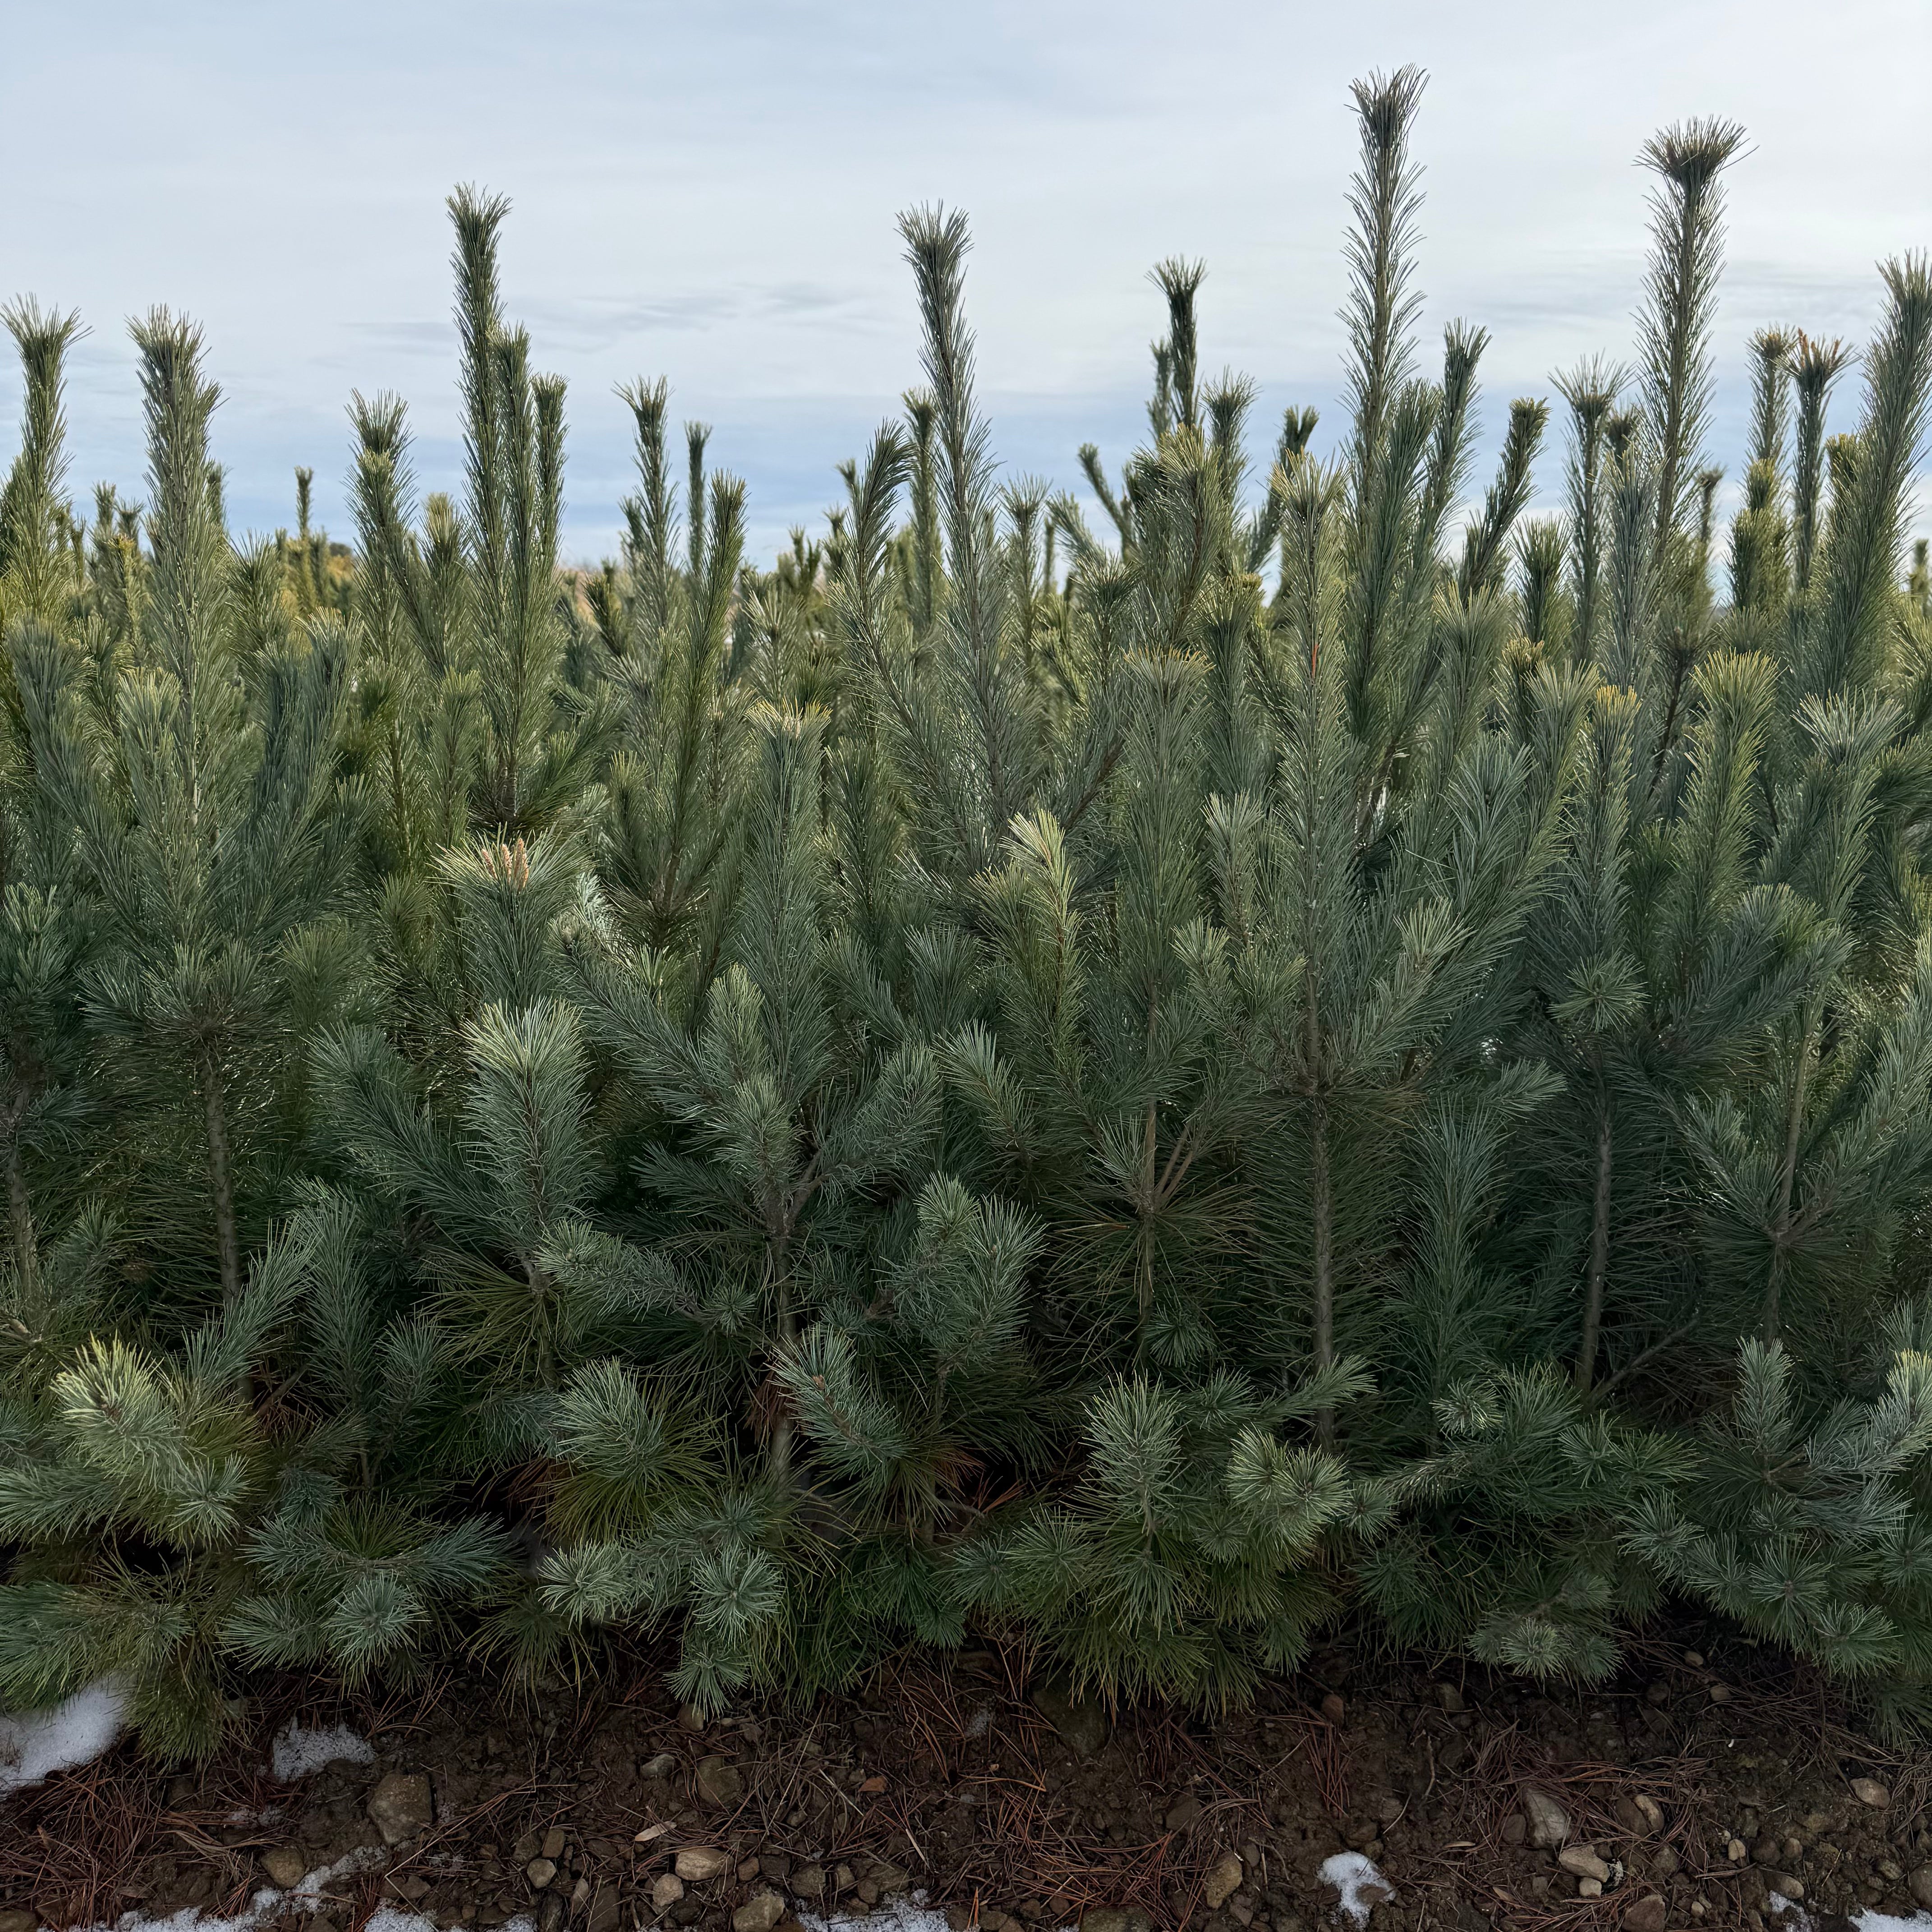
(297, 1752)
(889, 1915)
(1866, 1922)
(71, 1734)
(1356, 1878)
(268, 1905)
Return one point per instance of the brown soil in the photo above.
(1707, 1787)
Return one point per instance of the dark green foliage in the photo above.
(1149, 1084)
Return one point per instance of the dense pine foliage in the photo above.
(1283, 1047)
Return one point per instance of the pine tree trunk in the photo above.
(1781, 1227)
(221, 1177)
(779, 1261)
(1322, 1185)
(20, 1210)
(1589, 551)
(1145, 1269)
(540, 1313)
(1670, 432)
(1600, 1262)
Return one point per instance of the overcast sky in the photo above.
(708, 194)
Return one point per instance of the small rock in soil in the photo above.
(20, 1922)
(1581, 1862)
(1332, 1709)
(719, 1783)
(759, 1913)
(698, 1863)
(810, 1881)
(540, 1872)
(1785, 1886)
(1224, 1880)
(1514, 1826)
(1548, 1823)
(1449, 1697)
(399, 1806)
(747, 1870)
(1649, 1914)
(668, 1890)
(889, 1877)
(1082, 1722)
(664, 1764)
(1921, 1883)
(286, 1866)
(1184, 1812)
(1869, 1791)
(604, 1911)
(553, 1842)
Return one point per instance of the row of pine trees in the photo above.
(1154, 1071)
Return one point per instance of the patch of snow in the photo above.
(297, 1752)
(393, 1918)
(1356, 1878)
(1799, 1920)
(268, 1905)
(889, 1915)
(38, 1742)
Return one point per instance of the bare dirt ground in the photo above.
(1703, 1789)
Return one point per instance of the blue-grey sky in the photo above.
(708, 194)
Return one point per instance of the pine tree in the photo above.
(36, 573)
(207, 818)
(1141, 1085)
(1686, 219)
